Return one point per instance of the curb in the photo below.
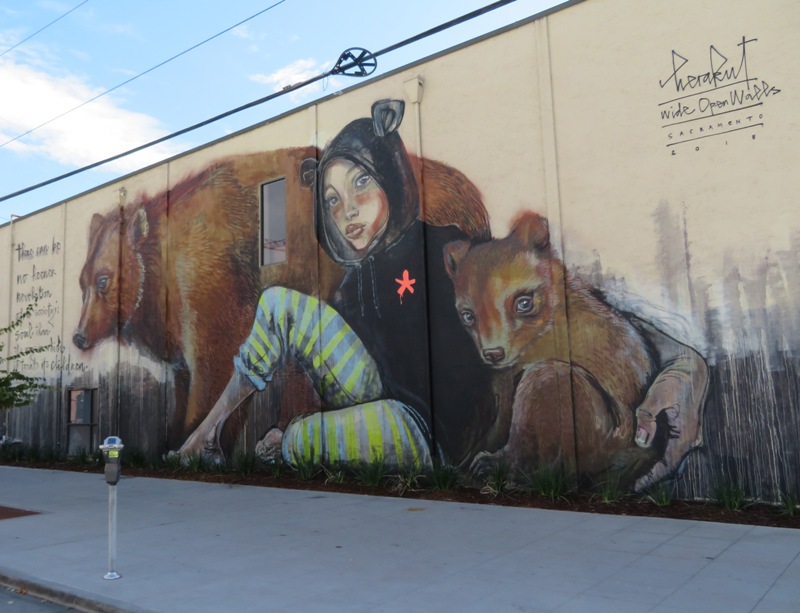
(60, 596)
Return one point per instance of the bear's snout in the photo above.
(494, 355)
(80, 340)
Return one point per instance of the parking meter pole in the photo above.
(111, 448)
(112, 534)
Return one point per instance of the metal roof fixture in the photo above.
(362, 63)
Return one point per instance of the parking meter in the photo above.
(112, 450)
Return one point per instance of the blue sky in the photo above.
(103, 43)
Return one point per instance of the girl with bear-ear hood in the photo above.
(373, 154)
(367, 352)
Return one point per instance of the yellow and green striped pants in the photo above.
(358, 423)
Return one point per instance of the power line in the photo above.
(43, 28)
(448, 24)
(341, 67)
(141, 74)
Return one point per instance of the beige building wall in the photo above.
(5, 267)
(671, 204)
(658, 139)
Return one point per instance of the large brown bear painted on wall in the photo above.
(183, 273)
(181, 279)
(612, 396)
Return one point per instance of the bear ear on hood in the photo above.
(453, 255)
(308, 172)
(532, 230)
(98, 221)
(137, 227)
(387, 115)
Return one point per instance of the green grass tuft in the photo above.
(610, 491)
(499, 480)
(196, 463)
(444, 477)
(409, 480)
(789, 503)
(372, 474)
(307, 470)
(33, 453)
(730, 497)
(82, 456)
(245, 462)
(334, 474)
(550, 482)
(660, 494)
(134, 457)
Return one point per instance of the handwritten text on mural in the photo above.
(717, 95)
(36, 276)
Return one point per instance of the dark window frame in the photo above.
(79, 428)
(272, 228)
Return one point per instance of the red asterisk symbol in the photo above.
(405, 284)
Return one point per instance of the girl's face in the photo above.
(356, 202)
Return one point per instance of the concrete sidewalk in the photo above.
(195, 547)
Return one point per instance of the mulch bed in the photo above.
(11, 512)
(754, 514)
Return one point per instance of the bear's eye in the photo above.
(102, 283)
(523, 303)
(467, 318)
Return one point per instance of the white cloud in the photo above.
(245, 33)
(96, 131)
(296, 72)
(81, 55)
(242, 31)
(10, 37)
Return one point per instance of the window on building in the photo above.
(82, 426)
(273, 222)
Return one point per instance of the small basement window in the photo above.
(273, 222)
(82, 424)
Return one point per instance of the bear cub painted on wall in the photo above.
(581, 367)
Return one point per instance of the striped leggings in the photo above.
(358, 423)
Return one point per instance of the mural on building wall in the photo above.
(176, 258)
(159, 290)
(749, 328)
(367, 349)
(626, 396)
(400, 327)
(435, 340)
